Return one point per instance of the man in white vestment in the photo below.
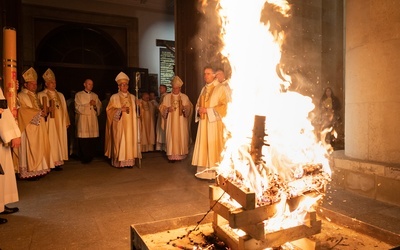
(121, 137)
(176, 109)
(57, 121)
(211, 107)
(10, 137)
(87, 109)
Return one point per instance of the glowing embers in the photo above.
(258, 205)
(243, 224)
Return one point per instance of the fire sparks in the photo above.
(294, 163)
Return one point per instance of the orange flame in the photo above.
(254, 52)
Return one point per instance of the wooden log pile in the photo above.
(250, 217)
(240, 219)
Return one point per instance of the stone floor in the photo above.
(93, 206)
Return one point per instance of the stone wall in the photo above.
(376, 180)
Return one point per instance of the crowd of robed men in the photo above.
(34, 136)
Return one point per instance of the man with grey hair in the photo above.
(87, 109)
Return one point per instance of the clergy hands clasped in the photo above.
(93, 103)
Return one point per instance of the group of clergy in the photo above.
(133, 125)
(43, 121)
(33, 140)
(33, 136)
(172, 132)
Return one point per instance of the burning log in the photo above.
(249, 219)
(275, 239)
(246, 199)
(239, 217)
(228, 219)
(258, 138)
(267, 186)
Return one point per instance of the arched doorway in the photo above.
(76, 52)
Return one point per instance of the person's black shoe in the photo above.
(2, 220)
(171, 161)
(36, 178)
(57, 168)
(9, 210)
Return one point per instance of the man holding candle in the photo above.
(176, 109)
(57, 121)
(121, 140)
(34, 157)
(87, 109)
(211, 107)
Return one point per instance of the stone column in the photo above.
(371, 161)
(372, 79)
